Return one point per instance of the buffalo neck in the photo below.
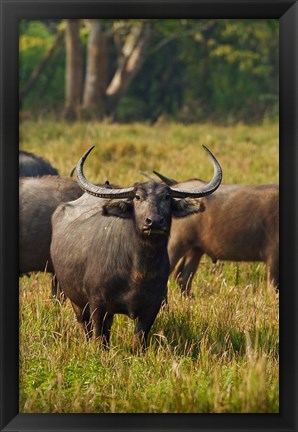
(150, 253)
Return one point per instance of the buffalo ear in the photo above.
(119, 208)
(187, 206)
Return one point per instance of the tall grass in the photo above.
(215, 353)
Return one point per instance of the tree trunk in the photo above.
(131, 59)
(73, 74)
(96, 73)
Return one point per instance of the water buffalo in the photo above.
(240, 223)
(38, 199)
(109, 250)
(31, 165)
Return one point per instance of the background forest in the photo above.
(184, 70)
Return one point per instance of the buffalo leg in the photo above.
(143, 326)
(102, 322)
(175, 254)
(187, 268)
(54, 286)
(57, 292)
(83, 317)
(273, 272)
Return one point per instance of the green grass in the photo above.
(216, 353)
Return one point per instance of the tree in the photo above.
(100, 99)
(131, 58)
(96, 73)
(73, 73)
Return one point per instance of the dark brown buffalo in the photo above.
(31, 165)
(38, 199)
(109, 250)
(240, 223)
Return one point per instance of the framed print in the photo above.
(97, 96)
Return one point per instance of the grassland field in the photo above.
(216, 353)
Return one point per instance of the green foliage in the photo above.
(216, 353)
(224, 70)
(35, 39)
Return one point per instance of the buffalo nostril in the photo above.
(155, 221)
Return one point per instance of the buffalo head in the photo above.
(151, 205)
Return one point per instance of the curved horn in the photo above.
(166, 180)
(72, 171)
(98, 191)
(208, 188)
(145, 174)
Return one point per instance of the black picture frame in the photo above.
(11, 12)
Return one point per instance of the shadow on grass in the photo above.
(183, 338)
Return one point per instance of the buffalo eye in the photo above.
(167, 197)
(137, 197)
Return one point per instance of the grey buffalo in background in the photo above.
(38, 199)
(109, 250)
(31, 165)
(240, 223)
